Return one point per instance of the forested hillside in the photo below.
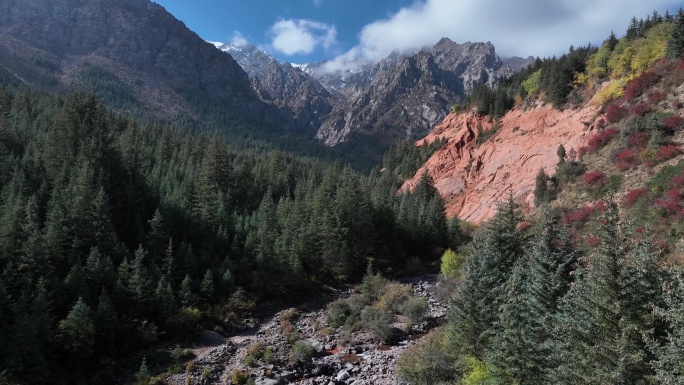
(584, 287)
(117, 234)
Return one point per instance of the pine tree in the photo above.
(608, 311)
(77, 331)
(541, 190)
(675, 44)
(668, 365)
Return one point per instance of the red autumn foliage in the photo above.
(615, 113)
(522, 226)
(593, 178)
(642, 82)
(602, 138)
(600, 123)
(581, 215)
(641, 109)
(680, 65)
(670, 203)
(593, 241)
(666, 152)
(633, 195)
(673, 122)
(627, 159)
(638, 139)
(656, 97)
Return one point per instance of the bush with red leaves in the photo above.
(594, 178)
(581, 215)
(680, 65)
(593, 241)
(664, 153)
(672, 123)
(615, 113)
(641, 109)
(670, 203)
(601, 138)
(638, 139)
(633, 195)
(627, 159)
(656, 97)
(642, 82)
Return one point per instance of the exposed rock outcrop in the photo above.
(409, 98)
(472, 178)
(303, 102)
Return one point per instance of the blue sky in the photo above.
(352, 31)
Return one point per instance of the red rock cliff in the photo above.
(472, 178)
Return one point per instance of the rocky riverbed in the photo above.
(333, 356)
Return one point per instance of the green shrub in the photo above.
(451, 264)
(378, 321)
(338, 311)
(301, 351)
(414, 309)
(426, 362)
(239, 377)
(249, 360)
(269, 354)
(393, 297)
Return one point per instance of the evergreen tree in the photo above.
(608, 311)
(668, 365)
(541, 190)
(77, 331)
(675, 44)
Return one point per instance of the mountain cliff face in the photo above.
(472, 178)
(409, 98)
(302, 101)
(143, 50)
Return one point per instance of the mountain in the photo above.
(409, 98)
(133, 53)
(303, 102)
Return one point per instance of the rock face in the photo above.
(403, 95)
(409, 98)
(142, 48)
(472, 178)
(303, 102)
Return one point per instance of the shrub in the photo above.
(670, 203)
(254, 349)
(372, 286)
(414, 309)
(239, 377)
(601, 138)
(638, 139)
(288, 314)
(581, 215)
(593, 178)
(378, 321)
(641, 83)
(206, 372)
(656, 97)
(301, 351)
(615, 113)
(394, 297)
(338, 311)
(451, 264)
(632, 195)
(673, 122)
(269, 354)
(627, 159)
(426, 362)
(641, 109)
(249, 360)
(664, 153)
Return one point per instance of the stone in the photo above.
(471, 179)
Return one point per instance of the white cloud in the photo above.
(300, 36)
(238, 39)
(522, 28)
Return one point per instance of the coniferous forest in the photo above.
(117, 234)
